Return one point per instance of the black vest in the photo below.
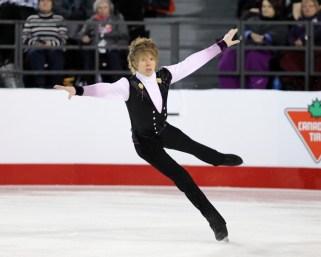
(144, 117)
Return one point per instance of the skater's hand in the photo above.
(228, 38)
(71, 90)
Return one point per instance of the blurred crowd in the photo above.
(46, 31)
(259, 31)
(100, 23)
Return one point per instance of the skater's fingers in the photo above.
(234, 42)
(59, 87)
(71, 90)
(228, 38)
(233, 32)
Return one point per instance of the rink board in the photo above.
(47, 139)
(81, 174)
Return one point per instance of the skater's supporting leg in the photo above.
(153, 153)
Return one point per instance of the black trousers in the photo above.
(152, 150)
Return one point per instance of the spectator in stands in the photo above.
(296, 9)
(248, 8)
(295, 60)
(45, 30)
(110, 37)
(73, 10)
(256, 34)
(132, 12)
(11, 10)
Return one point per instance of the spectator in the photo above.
(73, 10)
(11, 10)
(255, 60)
(110, 36)
(294, 60)
(248, 8)
(133, 12)
(45, 30)
(296, 9)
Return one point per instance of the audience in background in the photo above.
(296, 8)
(295, 60)
(112, 39)
(135, 11)
(256, 34)
(11, 10)
(46, 31)
(159, 8)
(73, 10)
(248, 8)
(109, 37)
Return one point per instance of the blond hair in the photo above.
(139, 46)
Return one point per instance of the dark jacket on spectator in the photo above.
(74, 9)
(273, 34)
(298, 31)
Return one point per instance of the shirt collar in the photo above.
(147, 79)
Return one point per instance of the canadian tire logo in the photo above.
(307, 124)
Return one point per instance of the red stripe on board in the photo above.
(106, 174)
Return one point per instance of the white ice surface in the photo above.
(99, 221)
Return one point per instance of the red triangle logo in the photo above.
(308, 129)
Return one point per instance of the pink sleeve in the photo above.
(118, 90)
(192, 63)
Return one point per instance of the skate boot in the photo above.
(232, 160)
(220, 232)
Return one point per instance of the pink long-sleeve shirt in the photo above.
(120, 89)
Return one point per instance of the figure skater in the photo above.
(145, 94)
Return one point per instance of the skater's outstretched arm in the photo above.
(197, 60)
(117, 90)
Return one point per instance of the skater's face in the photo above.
(267, 9)
(146, 64)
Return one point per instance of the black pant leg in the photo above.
(152, 151)
(174, 138)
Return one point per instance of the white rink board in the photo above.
(43, 126)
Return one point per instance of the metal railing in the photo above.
(175, 46)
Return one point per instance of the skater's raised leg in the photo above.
(174, 138)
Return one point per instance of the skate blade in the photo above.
(225, 240)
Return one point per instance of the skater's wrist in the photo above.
(79, 90)
(222, 45)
